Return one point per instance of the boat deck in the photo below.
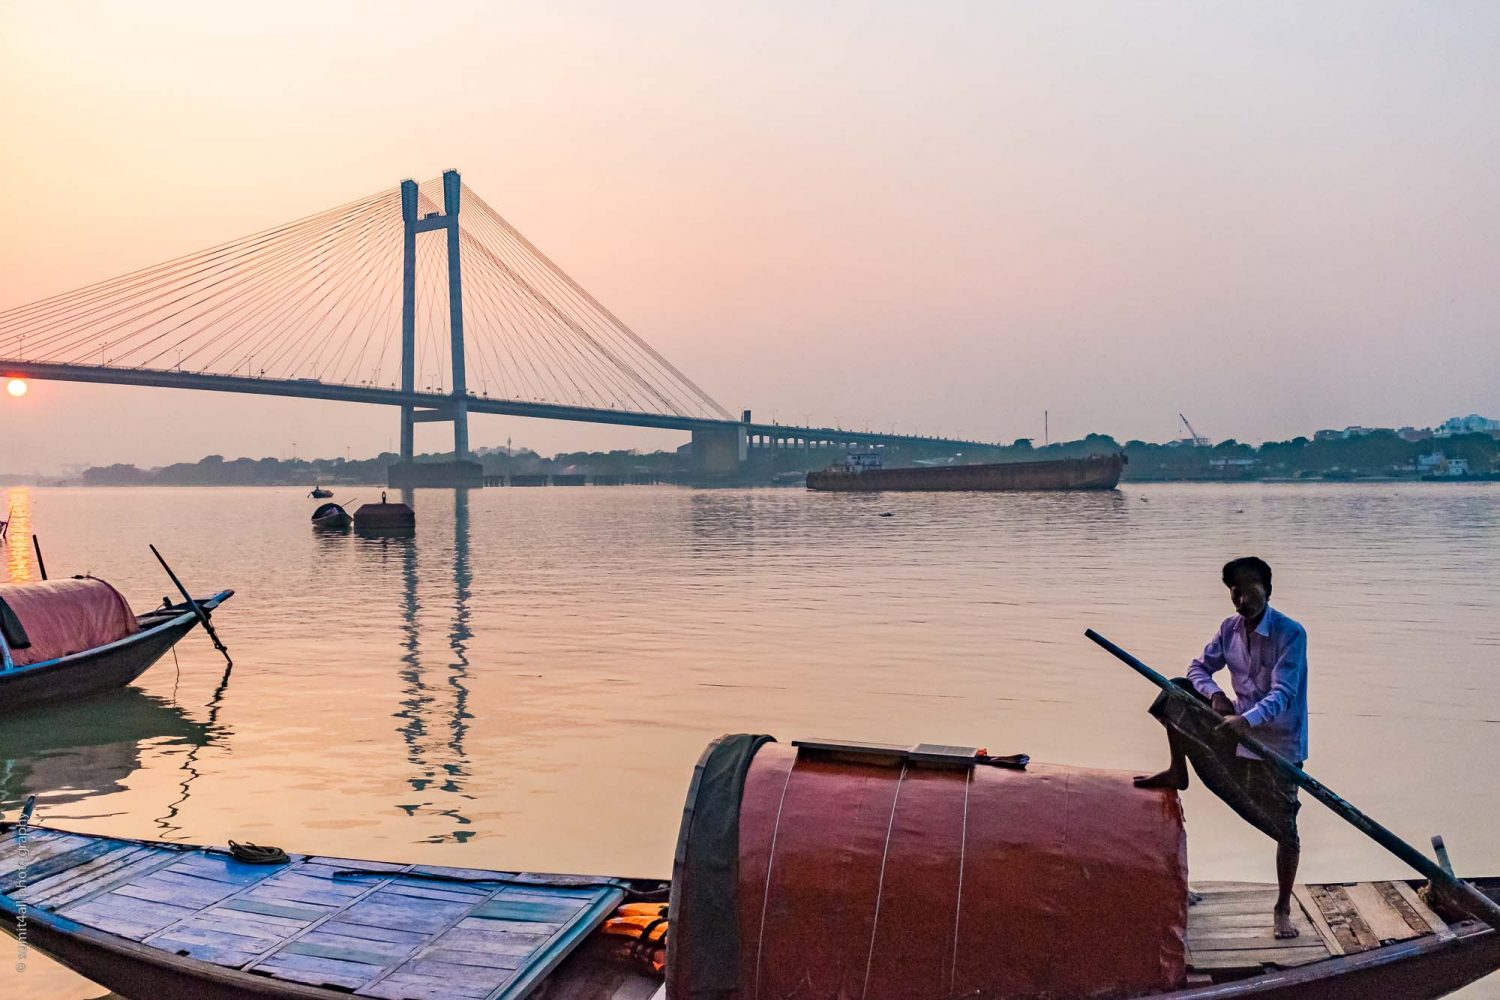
(1229, 926)
(386, 931)
(400, 932)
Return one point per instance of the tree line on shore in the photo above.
(1380, 453)
(216, 470)
(1377, 453)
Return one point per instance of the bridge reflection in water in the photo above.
(433, 718)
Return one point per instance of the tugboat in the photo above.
(866, 472)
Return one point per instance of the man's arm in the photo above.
(1200, 674)
(1287, 679)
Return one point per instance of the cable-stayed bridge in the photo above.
(398, 299)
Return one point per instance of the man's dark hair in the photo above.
(1248, 564)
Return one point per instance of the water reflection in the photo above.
(20, 566)
(73, 752)
(189, 768)
(434, 714)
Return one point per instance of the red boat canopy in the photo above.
(67, 616)
(847, 875)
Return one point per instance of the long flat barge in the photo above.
(1096, 472)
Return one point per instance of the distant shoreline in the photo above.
(1370, 456)
(1125, 482)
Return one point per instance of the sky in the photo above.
(938, 218)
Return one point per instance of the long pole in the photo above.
(39, 564)
(197, 608)
(1465, 894)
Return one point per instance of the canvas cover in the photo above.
(67, 616)
(890, 882)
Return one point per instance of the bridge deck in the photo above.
(340, 392)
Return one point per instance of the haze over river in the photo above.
(528, 682)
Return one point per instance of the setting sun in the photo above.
(16, 387)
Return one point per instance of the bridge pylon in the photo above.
(457, 410)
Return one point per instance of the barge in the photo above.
(865, 473)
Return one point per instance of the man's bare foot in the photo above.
(1285, 929)
(1170, 778)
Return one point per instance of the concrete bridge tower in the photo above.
(462, 471)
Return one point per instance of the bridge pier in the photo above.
(719, 451)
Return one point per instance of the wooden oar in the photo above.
(202, 615)
(1462, 892)
(39, 564)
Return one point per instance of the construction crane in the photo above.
(1193, 438)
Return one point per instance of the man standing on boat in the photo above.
(1266, 653)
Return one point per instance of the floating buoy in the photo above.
(385, 517)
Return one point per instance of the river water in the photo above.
(528, 681)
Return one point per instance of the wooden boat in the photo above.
(865, 473)
(156, 921)
(900, 897)
(331, 515)
(319, 493)
(101, 664)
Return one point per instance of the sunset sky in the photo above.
(933, 217)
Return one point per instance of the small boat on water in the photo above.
(331, 515)
(66, 639)
(814, 870)
(866, 473)
(319, 493)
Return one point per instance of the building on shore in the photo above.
(1472, 424)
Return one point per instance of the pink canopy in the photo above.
(67, 616)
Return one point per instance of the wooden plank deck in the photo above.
(385, 932)
(1230, 925)
(388, 932)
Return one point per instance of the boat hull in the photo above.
(308, 928)
(1100, 472)
(1424, 969)
(331, 515)
(101, 669)
(139, 972)
(1421, 970)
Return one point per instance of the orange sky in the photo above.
(941, 218)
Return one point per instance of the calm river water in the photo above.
(528, 682)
